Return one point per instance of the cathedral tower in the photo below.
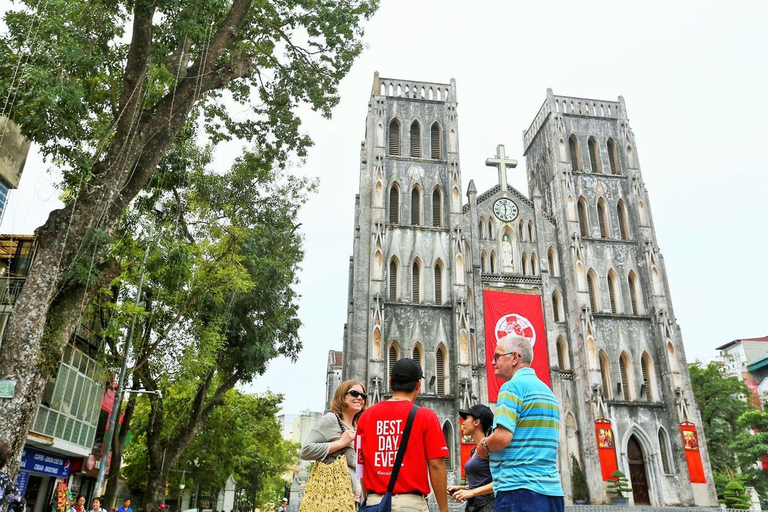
(607, 278)
(407, 271)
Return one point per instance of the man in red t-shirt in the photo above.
(379, 431)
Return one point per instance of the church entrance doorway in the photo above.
(637, 474)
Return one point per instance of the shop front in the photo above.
(38, 474)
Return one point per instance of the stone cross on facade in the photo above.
(502, 163)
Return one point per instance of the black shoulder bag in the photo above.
(385, 505)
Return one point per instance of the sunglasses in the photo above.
(356, 394)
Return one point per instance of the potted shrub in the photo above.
(579, 487)
(619, 487)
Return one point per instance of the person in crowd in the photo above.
(78, 505)
(96, 505)
(126, 506)
(283, 505)
(526, 433)
(10, 496)
(478, 493)
(334, 436)
(379, 431)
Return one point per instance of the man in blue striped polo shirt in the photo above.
(526, 433)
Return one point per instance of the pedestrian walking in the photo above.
(332, 485)
(478, 493)
(96, 505)
(9, 494)
(78, 505)
(380, 430)
(126, 506)
(283, 505)
(526, 434)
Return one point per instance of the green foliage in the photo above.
(736, 497)
(619, 484)
(242, 439)
(579, 487)
(721, 401)
(65, 68)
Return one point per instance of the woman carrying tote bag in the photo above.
(332, 485)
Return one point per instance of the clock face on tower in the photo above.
(505, 209)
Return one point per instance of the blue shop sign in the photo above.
(21, 482)
(44, 463)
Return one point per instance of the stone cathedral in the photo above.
(438, 275)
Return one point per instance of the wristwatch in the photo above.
(485, 445)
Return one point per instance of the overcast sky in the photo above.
(693, 75)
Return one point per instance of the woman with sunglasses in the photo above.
(331, 440)
(478, 493)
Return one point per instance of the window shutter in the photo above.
(440, 371)
(392, 281)
(555, 307)
(435, 141)
(436, 208)
(612, 293)
(415, 140)
(604, 377)
(438, 284)
(392, 359)
(415, 283)
(394, 138)
(583, 223)
(624, 377)
(646, 379)
(415, 207)
(601, 220)
(592, 293)
(394, 205)
(633, 294)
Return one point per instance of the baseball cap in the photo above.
(480, 412)
(406, 370)
(285, 499)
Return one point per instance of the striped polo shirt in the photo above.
(527, 408)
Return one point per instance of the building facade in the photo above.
(581, 244)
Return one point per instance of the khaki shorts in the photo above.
(402, 502)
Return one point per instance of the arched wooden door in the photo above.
(637, 474)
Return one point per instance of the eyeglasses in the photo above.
(356, 394)
(497, 356)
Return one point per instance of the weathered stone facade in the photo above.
(583, 239)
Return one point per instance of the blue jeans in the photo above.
(523, 500)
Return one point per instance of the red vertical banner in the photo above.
(606, 448)
(514, 313)
(692, 454)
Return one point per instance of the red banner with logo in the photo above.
(518, 313)
(692, 454)
(606, 448)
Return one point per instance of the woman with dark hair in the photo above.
(478, 493)
(331, 445)
(78, 505)
(9, 494)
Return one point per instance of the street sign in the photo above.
(7, 388)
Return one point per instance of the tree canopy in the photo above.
(113, 91)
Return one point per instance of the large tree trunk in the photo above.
(46, 312)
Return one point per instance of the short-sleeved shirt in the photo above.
(123, 509)
(379, 431)
(527, 408)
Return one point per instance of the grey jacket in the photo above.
(318, 444)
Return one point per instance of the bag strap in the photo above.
(401, 449)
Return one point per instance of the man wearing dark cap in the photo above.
(379, 431)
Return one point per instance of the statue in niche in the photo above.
(506, 253)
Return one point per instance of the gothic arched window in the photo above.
(592, 286)
(435, 142)
(646, 366)
(440, 360)
(573, 147)
(613, 157)
(415, 283)
(602, 219)
(583, 220)
(394, 204)
(415, 206)
(394, 137)
(604, 374)
(634, 292)
(625, 368)
(594, 155)
(393, 280)
(437, 207)
(666, 467)
(415, 140)
(552, 262)
(613, 291)
(438, 283)
(621, 210)
(393, 354)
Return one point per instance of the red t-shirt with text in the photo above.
(379, 431)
